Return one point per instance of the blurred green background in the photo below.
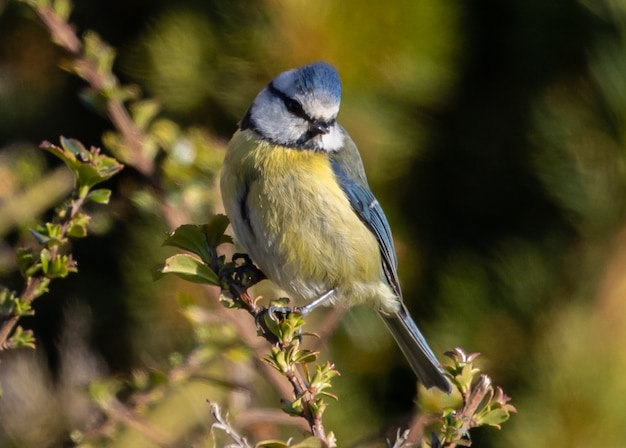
(493, 133)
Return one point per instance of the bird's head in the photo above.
(299, 109)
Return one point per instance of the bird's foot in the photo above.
(321, 300)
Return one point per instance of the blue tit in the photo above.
(294, 188)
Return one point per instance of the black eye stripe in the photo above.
(292, 105)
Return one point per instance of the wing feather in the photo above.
(348, 168)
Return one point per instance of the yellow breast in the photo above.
(303, 232)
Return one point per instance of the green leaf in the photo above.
(276, 359)
(201, 239)
(77, 231)
(215, 229)
(271, 444)
(100, 196)
(102, 54)
(7, 302)
(106, 167)
(272, 324)
(62, 8)
(22, 338)
(494, 418)
(189, 268)
(191, 238)
(280, 357)
(309, 442)
(329, 395)
(25, 259)
(48, 235)
(60, 266)
(89, 166)
(143, 112)
(23, 308)
(229, 302)
(76, 148)
(54, 230)
(41, 288)
(305, 356)
(294, 408)
(78, 226)
(45, 258)
(121, 93)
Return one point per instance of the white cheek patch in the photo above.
(333, 141)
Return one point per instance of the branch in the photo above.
(278, 324)
(38, 269)
(92, 62)
(222, 423)
(483, 405)
(283, 331)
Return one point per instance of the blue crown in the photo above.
(319, 76)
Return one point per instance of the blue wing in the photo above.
(348, 169)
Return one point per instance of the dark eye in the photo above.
(294, 107)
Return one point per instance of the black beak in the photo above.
(319, 127)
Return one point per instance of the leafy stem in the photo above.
(280, 325)
(483, 405)
(39, 267)
(92, 60)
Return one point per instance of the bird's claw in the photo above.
(283, 311)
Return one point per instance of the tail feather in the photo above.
(416, 350)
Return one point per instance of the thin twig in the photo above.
(6, 328)
(238, 280)
(418, 426)
(301, 389)
(222, 423)
(402, 439)
(471, 403)
(65, 36)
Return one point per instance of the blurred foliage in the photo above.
(492, 132)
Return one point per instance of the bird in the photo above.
(295, 190)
